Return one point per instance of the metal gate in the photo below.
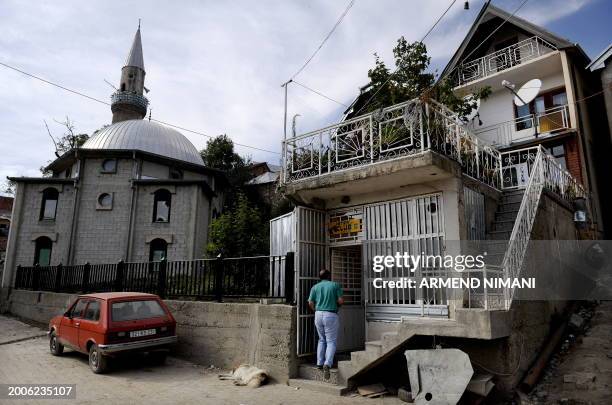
(310, 255)
(415, 226)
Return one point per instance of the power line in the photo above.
(318, 92)
(338, 22)
(397, 68)
(78, 93)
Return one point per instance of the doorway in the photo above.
(347, 270)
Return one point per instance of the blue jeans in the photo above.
(327, 324)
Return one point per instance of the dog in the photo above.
(248, 375)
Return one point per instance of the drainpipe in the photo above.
(135, 175)
(75, 212)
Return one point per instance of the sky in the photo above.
(217, 66)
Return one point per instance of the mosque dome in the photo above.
(146, 136)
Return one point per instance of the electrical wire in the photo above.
(338, 22)
(317, 92)
(79, 93)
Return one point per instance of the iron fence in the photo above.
(205, 279)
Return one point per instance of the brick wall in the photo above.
(572, 158)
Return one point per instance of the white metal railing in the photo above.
(526, 127)
(503, 59)
(545, 173)
(398, 131)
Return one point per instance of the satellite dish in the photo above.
(527, 92)
(470, 98)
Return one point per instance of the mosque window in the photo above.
(105, 201)
(42, 251)
(161, 205)
(158, 250)
(48, 208)
(109, 166)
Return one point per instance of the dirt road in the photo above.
(135, 381)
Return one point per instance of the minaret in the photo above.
(129, 103)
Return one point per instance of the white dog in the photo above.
(247, 375)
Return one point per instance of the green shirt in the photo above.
(325, 295)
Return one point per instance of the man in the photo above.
(325, 298)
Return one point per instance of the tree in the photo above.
(70, 139)
(239, 231)
(8, 187)
(411, 80)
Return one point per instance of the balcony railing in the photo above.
(129, 98)
(405, 129)
(526, 127)
(503, 59)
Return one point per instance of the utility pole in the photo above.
(284, 149)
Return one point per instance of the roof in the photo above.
(112, 295)
(135, 57)
(600, 61)
(145, 136)
(265, 178)
(488, 12)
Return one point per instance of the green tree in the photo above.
(411, 80)
(239, 231)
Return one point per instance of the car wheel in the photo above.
(97, 362)
(55, 347)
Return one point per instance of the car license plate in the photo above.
(140, 333)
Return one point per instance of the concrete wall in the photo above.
(221, 334)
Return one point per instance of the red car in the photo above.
(108, 324)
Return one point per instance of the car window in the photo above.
(131, 310)
(77, 310)
(92, 313)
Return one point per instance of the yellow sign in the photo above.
(344, 227)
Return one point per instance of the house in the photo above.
(136, 191)
(6, 208)
(415, 178)
(265, 181)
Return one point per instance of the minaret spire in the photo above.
(128, 102)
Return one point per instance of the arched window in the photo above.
(161, 206)
(158, 250)
(42, 251)
(48, 207)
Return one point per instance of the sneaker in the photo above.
(326, 372)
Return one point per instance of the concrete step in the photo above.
(499, 235)
(374, 347)
(317, 386)
(505, 207)
(512, 198)
(362, 358)
(345, 371)
(505, 225)
(311, 372)
(494, 258)
(506, 215)
(493, 247)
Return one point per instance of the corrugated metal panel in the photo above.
(414, 226)
(311, 247)
(474, 208)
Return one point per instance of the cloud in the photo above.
(212, 66)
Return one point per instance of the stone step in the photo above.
(311, 372)
(318, 386)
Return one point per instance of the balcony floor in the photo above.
(421, 168)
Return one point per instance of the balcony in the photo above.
(526, 128)
(425, 138)
(506, 58)
(124, 97)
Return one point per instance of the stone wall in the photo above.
(221, 334)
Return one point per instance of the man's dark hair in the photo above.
(325, 274)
